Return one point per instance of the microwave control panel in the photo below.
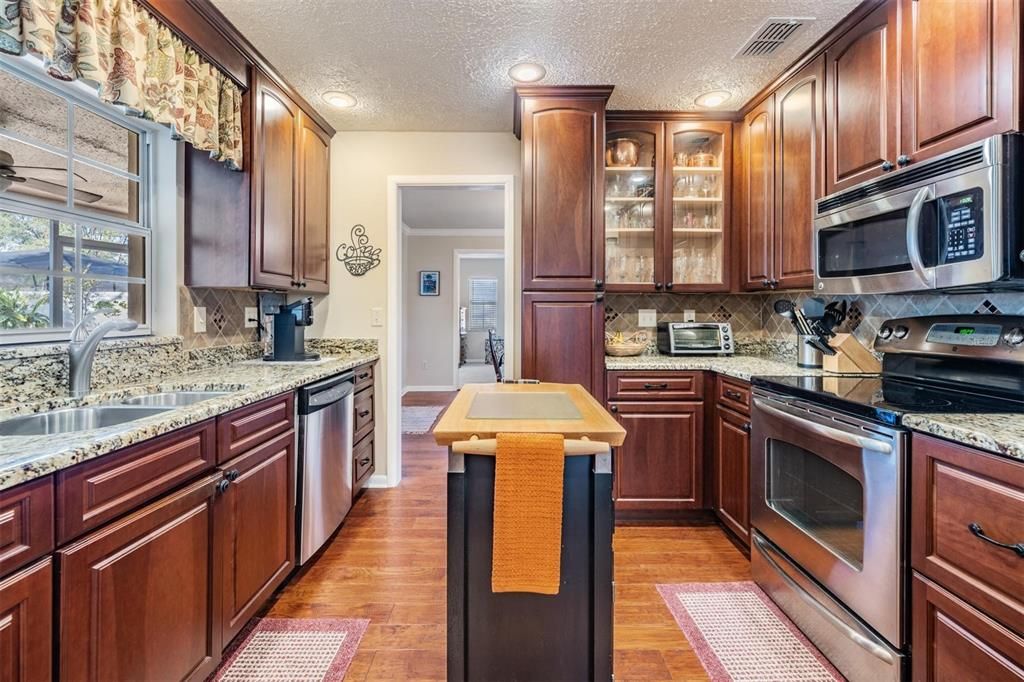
(962, 226)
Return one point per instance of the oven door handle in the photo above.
(862, 637)
(914, 235)
(829, 432)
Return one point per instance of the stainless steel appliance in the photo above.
(325, 460)
(289, 332)
(949, 222)
(695, 338)
(829, 479)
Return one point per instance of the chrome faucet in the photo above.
(82, 350)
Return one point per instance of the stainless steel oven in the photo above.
(950, 222)
(828, 508)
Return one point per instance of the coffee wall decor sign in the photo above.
(359, 257)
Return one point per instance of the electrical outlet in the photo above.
(647, 317)
(376, 317)
(251, 317)
(689, 315)
(199, 320)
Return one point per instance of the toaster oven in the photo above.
(695, 338)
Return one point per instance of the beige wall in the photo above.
(429, 321)
(360, 165)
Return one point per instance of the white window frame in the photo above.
(80, 96)
(472, 303)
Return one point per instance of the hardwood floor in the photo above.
(387, 563)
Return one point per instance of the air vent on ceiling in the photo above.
(772, 35)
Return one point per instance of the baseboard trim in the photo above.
(426, 389)
(378, 481)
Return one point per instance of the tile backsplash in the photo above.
(225, 317)
(753, 318)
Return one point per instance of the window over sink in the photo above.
(75, 227)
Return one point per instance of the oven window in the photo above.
(697, 337)
(819, 498)
(874, 246)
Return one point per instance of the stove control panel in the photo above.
(965, 334)
(996, 337)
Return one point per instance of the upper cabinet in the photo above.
(562, 129)
(268, 226)
(862, 94)
(758, 195)
(958, 62)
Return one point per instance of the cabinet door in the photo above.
(732, 471)
(274, 210)
(957, 73)
(563, 192)
(139, 597)
(862, 100)
(314, 192)
(26, 624)
(699, 154)
(256, 529)
(659, 467)
(633, 203)
(799, 173)
(563, 339)
(758, 195)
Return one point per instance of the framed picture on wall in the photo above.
(430, 282)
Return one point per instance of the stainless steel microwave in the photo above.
(951, 222)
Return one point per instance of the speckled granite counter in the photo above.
(737, 366)
(999, 433)
(23, 458)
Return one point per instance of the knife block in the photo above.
(851, 357)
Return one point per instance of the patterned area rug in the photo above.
(740, 635)
(297, 649)
(418, 419)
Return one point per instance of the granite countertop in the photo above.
(23, 458)
(736, 366)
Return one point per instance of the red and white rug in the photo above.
(740, 635)
(296, 649)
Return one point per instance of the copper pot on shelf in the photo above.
(622, 151)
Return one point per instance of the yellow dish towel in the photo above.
(528, 473)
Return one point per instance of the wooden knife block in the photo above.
(851, 357)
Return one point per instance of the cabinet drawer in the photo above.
(959, 493)
(733, 393)
(26, 523)
(362, 457)
(249, 426)
(95, 492)
(363, 415)
(953, 641)
(364, 377)
(663, 385)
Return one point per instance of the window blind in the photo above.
(483, 303)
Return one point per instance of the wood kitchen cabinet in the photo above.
(731, 448)
(758, 195)
(139, 598)
(563, 339)
(562, 132)
(266, 227)
(26, 624)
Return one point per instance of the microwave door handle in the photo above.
(914, 235)
(829, 432)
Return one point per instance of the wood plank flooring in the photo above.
(387, 563)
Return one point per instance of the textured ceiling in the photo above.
(444, 208)
(442, 64)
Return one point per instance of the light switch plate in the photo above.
(199, 320)
(689, 315)
(376, 317)
(251, 317)
(647, 317)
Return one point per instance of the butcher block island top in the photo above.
(484, 410)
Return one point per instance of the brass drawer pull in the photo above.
(977, 531)
(733, 395)
(364, 413)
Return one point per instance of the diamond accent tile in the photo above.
(987, 307)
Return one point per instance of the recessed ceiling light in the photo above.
(713, 99)
(527, 72)
(341, 100)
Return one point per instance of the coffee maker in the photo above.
(289, 334)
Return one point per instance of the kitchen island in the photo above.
(520, 635)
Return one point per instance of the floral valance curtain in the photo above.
(133, 60)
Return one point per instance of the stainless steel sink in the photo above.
(72, 419)
(173, 398)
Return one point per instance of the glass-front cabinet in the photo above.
(667, 205)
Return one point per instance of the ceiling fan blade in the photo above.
(61, 190)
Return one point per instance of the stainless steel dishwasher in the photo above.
(325, 460)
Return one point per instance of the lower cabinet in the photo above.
(732, 471)
(139, 597)
(26, 624)
(256, 529)
(659, 467)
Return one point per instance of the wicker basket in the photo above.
(624, 345)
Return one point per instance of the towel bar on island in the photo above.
(488, 446)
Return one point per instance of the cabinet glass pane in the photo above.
(698, 202)
(629, 207)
